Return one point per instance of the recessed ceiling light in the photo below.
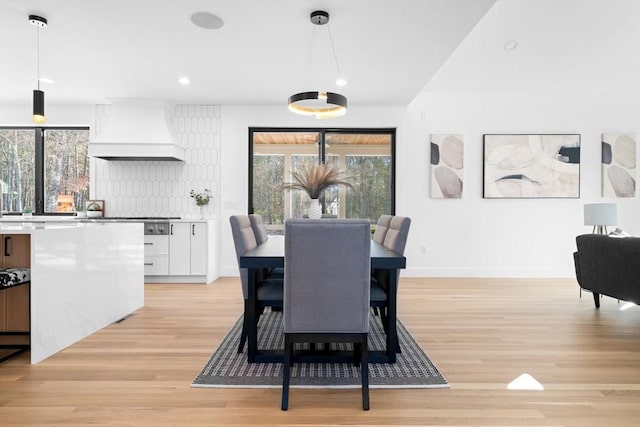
(207, 20)
(184, 81)
(341, 82)
(510, 45)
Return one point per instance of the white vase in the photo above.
(315, 210)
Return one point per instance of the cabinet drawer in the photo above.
(156, 265)
(156, 245)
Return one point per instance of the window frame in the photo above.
(39, 165)
(321, 152)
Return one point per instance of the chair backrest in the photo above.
(396, 237)
(259, 230)
(381, 228)
(327, 275)
(244, 240)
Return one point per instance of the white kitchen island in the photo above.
(84, 276)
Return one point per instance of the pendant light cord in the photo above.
(333, 48)
(38, 52)
(309, 58)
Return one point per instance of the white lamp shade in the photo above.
(601, 214)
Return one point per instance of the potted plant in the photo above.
(202, 199)
(94, 210)
(314, 179)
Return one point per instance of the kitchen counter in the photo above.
(84, 276)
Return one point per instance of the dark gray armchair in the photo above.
(326, 290)
(608, 266)
(269, 290)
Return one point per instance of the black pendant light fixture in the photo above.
(321, 104)
(38, 95)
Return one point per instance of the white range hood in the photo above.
(138, 130)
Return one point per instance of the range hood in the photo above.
(137, 130)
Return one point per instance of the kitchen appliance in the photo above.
(138, 130)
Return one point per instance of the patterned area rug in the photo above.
(227, 368)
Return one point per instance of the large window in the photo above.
(366, 155)
(44, 169)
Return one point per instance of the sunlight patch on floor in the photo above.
(525, 382)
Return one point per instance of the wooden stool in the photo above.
(9, 278)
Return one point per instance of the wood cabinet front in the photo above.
(14, 302)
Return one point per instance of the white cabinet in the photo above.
(188, 248)
(156, 255)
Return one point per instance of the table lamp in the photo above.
(600, 215)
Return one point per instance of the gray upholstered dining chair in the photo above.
(259, 230)
(260, 233)
(396, 240)
(269, 291)
(381, 228)
(326, 289)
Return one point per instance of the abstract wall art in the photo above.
(618, 165)
(447, 165)
(531, 166)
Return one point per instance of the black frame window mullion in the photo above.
(322, 153)
(39, 171)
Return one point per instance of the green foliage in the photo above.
(201, 199)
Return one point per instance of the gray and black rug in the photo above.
(227, 368)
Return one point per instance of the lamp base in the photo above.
(600, 229)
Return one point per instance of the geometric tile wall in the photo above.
(150, 188)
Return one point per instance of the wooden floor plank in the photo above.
(480, 333)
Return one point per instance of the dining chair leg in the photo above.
(243, 336)
(286, 372)
(364, 369)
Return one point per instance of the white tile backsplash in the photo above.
(162, 188)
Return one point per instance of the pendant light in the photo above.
(321, 104)
(38, 95)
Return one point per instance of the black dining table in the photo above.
(270, 254)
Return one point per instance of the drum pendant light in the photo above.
(321, 104)
(38, 95)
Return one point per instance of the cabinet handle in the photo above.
(171, 232)
(6, 246)
(148, 263)
(193, 229)
(148, 243)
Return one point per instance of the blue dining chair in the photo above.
(326, 289)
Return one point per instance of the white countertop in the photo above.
(66, 219)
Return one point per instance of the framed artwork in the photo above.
(94, 208)
(447, 165)
(618, 165)
(522, 166)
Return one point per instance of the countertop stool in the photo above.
(9, 278)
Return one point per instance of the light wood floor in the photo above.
(480, 333)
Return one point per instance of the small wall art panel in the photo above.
(618, 165)
(447, 165)
(531, 166)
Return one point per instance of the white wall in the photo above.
(505, 238)
(467, 237)
(161, 188)
(56, 115)
(236, 121)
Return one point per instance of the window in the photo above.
(367, 155)
(44, 169)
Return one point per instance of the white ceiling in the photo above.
(387, 49)
(97, 49)
(568, 46)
